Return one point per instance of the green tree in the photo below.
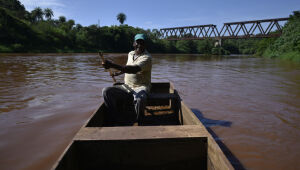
(204, 46)
(14, 6)
(121, 17)
(48, 13)
(71, 23)
(62, 19)
(287, 46)
(67, 26)
(186, 46)
(37, 14)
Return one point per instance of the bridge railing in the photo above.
(232, 30)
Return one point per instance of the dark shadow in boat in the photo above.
(210, 122)
(159, 116)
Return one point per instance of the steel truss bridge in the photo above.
(232, 30)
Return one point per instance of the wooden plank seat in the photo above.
(146, 147)
(172, 102)
(160, 98)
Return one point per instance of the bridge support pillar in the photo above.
(218, 42)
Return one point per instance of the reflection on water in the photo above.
(252, 105)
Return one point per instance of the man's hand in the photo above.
(107, 64)
(117, 73)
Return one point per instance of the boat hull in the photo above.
(181, 144)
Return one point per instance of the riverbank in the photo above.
(23, 33)
(203, 56)
(287, 46)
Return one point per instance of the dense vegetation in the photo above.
(37, 31)
(287, 46)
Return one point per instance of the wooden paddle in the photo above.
(110, 72)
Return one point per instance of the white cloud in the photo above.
(56, 5)
(30, 4)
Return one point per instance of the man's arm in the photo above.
(125, 69)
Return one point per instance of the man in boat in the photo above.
(137, 83)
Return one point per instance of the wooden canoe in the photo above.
(171, 137)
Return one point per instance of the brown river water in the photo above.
(250, 105)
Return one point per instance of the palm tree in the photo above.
(70, 24)
(121, 17)
(37, 14)
(48, 13)
(62, 19)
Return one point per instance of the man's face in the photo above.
(139, 46)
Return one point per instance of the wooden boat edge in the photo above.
(215, 156)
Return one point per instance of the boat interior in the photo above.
(163, 108)
(168, 137)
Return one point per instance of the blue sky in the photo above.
(166, 13)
